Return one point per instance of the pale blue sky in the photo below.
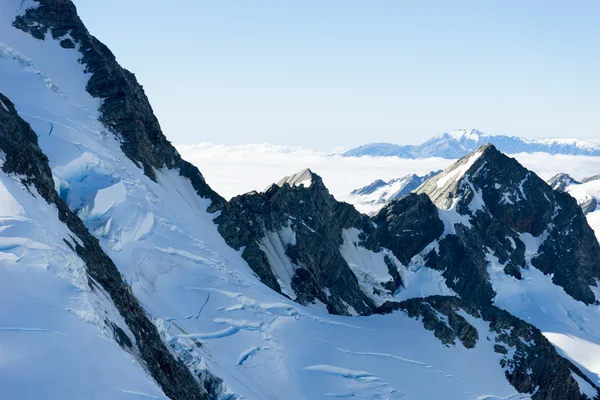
(342, 73)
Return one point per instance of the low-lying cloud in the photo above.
(233, 170)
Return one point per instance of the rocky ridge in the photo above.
(291, 236)
(306, 245)
(25, 159)
(484, 210)
(125, 109)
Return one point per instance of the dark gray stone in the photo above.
(25, 158)
(125, 109)
(317, 220)
(535, 366)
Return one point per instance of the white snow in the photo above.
(420, 281)
(368, 266)
(274, 245)
(456, 174)
(373, 202)
(451, 217)
(53, 338)
(466, 134)
(51, 324)
(302, 178)
(593, 219)
(570, 325)
(585, 192)
(233, 170)
(584, 387)
(107, 198)
(195, 287)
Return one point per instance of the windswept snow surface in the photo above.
(53, 338)
(369, 267)
(274, 245)
(205, 300)
(570, 325)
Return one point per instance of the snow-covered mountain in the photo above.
(124, 275)
(586, 193)
(561, 181)
(373, 197)
(463, 141)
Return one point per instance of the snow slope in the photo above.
(205, 300)
(572, 326)
(49, 316)
(371, 198)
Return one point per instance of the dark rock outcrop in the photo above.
(316, 220)
(125, 109)
(531, 363)
(408, 225)
(500, 201)
(25, 159)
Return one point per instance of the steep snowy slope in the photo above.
(458, 143)
(511, 240)
(369, 199)
(154, 216)
(50, 316)
(206, 302)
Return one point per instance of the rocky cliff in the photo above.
(125, 109)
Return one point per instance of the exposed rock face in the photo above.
(300, 241)
(491, 210)
(502, 205)
(125, 109)
(25, 158)
(561, 181)
(487, 203)
(535, 366)
(408, 225)
(291, 235)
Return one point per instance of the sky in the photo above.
(331, 74)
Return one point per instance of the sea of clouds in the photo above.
(237, 169)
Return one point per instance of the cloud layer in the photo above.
(233, 170)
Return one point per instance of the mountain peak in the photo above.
(466, 134)
(460, 142)
(303, 178)
(440, 187)
(560, 181)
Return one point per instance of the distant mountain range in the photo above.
(464, 141)
(124, 275)
(373, 197)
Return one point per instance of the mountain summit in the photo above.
(463, 141)
(123, 274)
